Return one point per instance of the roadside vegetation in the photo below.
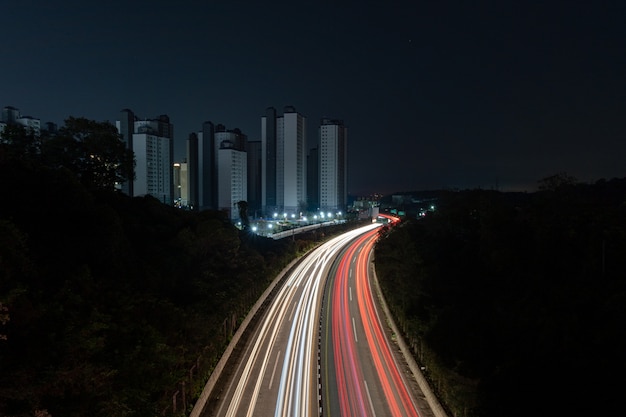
(111, 305)
(515, 303)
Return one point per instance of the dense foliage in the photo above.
(516, 303)
(108, 304)
(92, 151)
(111, 300)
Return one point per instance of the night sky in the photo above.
(435, 94)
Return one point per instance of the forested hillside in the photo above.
(111, 305)
(112, 300)
(516, 303)
(114, 306)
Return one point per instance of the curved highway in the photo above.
(279, 374)
(360, 373)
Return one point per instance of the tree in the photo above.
(4, 318)
(17, 142)
(243, 214)
(92, 150)
(556, 181)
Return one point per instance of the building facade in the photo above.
(181, 185)
(283, 145)
(333, 151)
(232, 178)
(153, 169)
(255, 168)
(152, 143)
(214, 156)
(232, 169)
(206, 168)
(12, 116)
(313, 180)
(268, 155)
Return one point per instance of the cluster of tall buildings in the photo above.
(12, 115)
(276, 174)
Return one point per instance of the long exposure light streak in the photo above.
(279, 374)
(353, 391)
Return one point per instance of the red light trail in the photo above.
(353, 389)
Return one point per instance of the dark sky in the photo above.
(435, 94)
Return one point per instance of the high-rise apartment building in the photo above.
(268, 152)
(12, 116)
(333, 151)
(283, 145)
(313, 180)
(232, 169)
(214, 158)
(152, 143)
(232, 178)
(192, 170)
(181, 185)
(204, 171)
(255, 167)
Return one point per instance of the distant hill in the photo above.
(515, 303)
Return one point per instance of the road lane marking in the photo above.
(356, 339)
(369, 397)
(274, 370)
(292, 310)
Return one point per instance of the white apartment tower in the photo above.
(283, 146)
(232, 169)
(151, 141)
(11, 115)
(153, 169)
(333, 151)
(232, 176)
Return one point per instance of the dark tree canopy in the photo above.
(93, 150)
(17, 142)
(511, 297)
(107, 302)
(243, 214)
